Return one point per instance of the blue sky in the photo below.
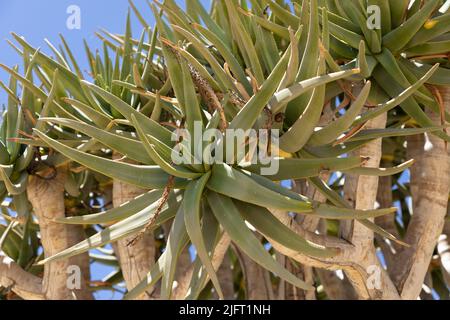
(37, 20)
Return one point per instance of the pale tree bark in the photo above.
(351, 258)
(361, 193)
(430, 183)
(136, 255)
(60, 281)
(24, 284)
(336, 287)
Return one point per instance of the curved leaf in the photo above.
(191, 205)
(150, 177)
(233, 223)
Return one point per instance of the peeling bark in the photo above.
(47, 199)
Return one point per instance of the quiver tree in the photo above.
(344, 99)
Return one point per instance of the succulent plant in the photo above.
(314, 73)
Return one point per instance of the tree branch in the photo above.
(24, 284)
(47, 198)
(430, 184)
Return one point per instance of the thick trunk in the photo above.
(138, 257)
(361, 192)
(430, 183)
(65, 279)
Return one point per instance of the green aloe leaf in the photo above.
(68, 78)
(398, 99)
(381, 172)
(272, 228)
(248, 115)
(178, 239)
(336, 199)
(430, 48)
(359, 16)
(332, 212)
(225, 51)
(289, 94)
(295, 168)
(233, 223)
(440, 26)
(102, 120)
(191, 107)
(385, 10)
(123, 145)
(398, 11)
(166, 263)
(310, 61)
(126, 227)
(224, 80)
(399, 37)
(151, 177)
(149, 126)
(180, 172)
(147, 200)
(371, 134)
(13, 119)
(212, 234)
(244, 41)
(441, 76)
(391, 67)
(277, 29)
(347, 36)
(300, 132)
(410, 105)
(333, 130)
(238, 185)
(192, 218)
(284, 15)
(14, 187)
